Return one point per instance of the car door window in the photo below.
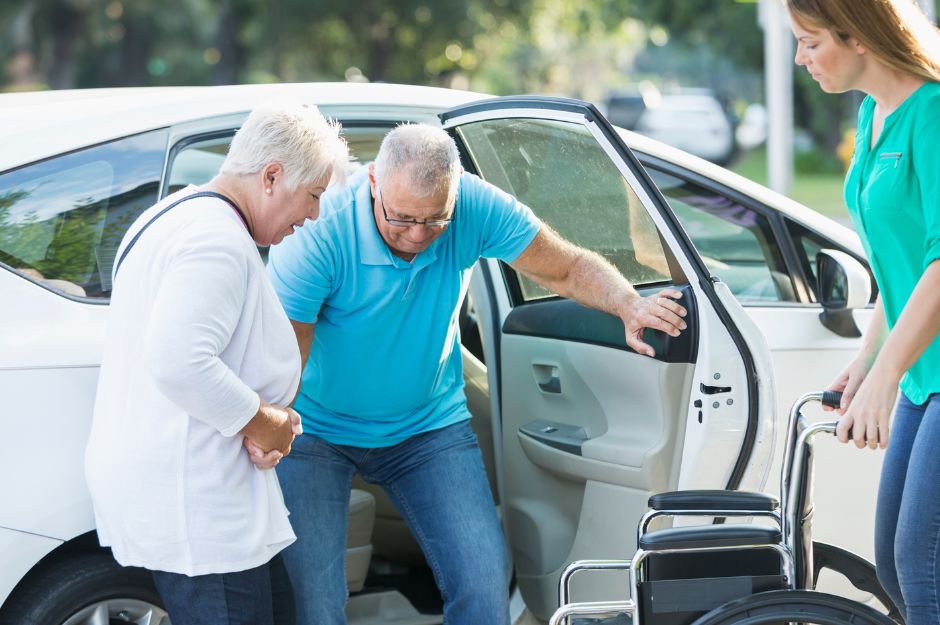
(737, 243)
(559, 170)
(62, 219)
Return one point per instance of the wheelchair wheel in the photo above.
(794, 606)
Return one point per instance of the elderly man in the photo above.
(373, 291)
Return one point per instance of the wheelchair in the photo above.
(723, 573)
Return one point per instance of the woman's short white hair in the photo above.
(428, 155)
(307, 145)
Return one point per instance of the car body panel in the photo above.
(20, 551)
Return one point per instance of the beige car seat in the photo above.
(393, 539)
(359, 538)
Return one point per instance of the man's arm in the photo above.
(586, 277)
(304, 334)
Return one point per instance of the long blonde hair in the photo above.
(895, 32)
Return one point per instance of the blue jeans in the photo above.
(907, 521)
(242, 598)
(437, 482)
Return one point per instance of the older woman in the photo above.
(199, 357)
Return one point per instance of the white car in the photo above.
(694, 122)
(576, 429)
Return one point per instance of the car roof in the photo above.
(42, 124)
(38, 125)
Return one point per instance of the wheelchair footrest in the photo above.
(710, 536)
(714, 500)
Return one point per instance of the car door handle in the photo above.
(547, 377)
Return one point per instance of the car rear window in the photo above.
(62, 219)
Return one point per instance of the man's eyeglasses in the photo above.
(409, 223)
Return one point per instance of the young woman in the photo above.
(891, 52)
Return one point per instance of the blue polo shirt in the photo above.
(385, 362)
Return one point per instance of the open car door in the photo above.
(585, 429)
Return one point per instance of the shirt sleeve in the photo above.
(195, 312)
(503, 226)
(302, 269)
(927, 170)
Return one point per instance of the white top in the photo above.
(196, 334)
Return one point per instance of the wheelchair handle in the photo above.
(831, 399)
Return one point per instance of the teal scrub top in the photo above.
(892, 191)
(385, 364)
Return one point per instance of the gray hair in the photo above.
(427, 155)
(299, 138)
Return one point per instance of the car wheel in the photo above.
(86, 590)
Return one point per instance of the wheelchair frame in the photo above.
(793, 519)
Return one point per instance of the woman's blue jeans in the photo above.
(907, 522)
(437, 482)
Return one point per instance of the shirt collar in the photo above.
(372, 247)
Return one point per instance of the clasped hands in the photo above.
(267, 447)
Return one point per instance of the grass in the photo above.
(822, 192)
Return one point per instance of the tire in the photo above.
(794, 606)
(859, 571)
(85, 590)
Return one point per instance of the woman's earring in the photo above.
(268, 190)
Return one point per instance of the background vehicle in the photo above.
(692, 121)
(81, 165)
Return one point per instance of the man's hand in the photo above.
(659, 312)
(269, 459)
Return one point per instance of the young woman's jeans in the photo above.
(907, 522)
(437, 482)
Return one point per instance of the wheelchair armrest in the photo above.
(680, 500)
(710, 537)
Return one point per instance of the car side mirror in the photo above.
(843, 285)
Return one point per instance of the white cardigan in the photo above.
(196, 334)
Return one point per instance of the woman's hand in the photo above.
(866, 416)
(260, 458)
(848, 382)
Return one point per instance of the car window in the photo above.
(561, 172)
(62, 219)
(807, 244)
(736, 243)
(196, 162)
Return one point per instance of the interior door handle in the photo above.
(547, 377)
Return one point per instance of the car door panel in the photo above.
(625, 425)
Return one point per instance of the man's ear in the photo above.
(372, 182)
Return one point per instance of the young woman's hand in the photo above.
(849, 381)
(866, 418)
